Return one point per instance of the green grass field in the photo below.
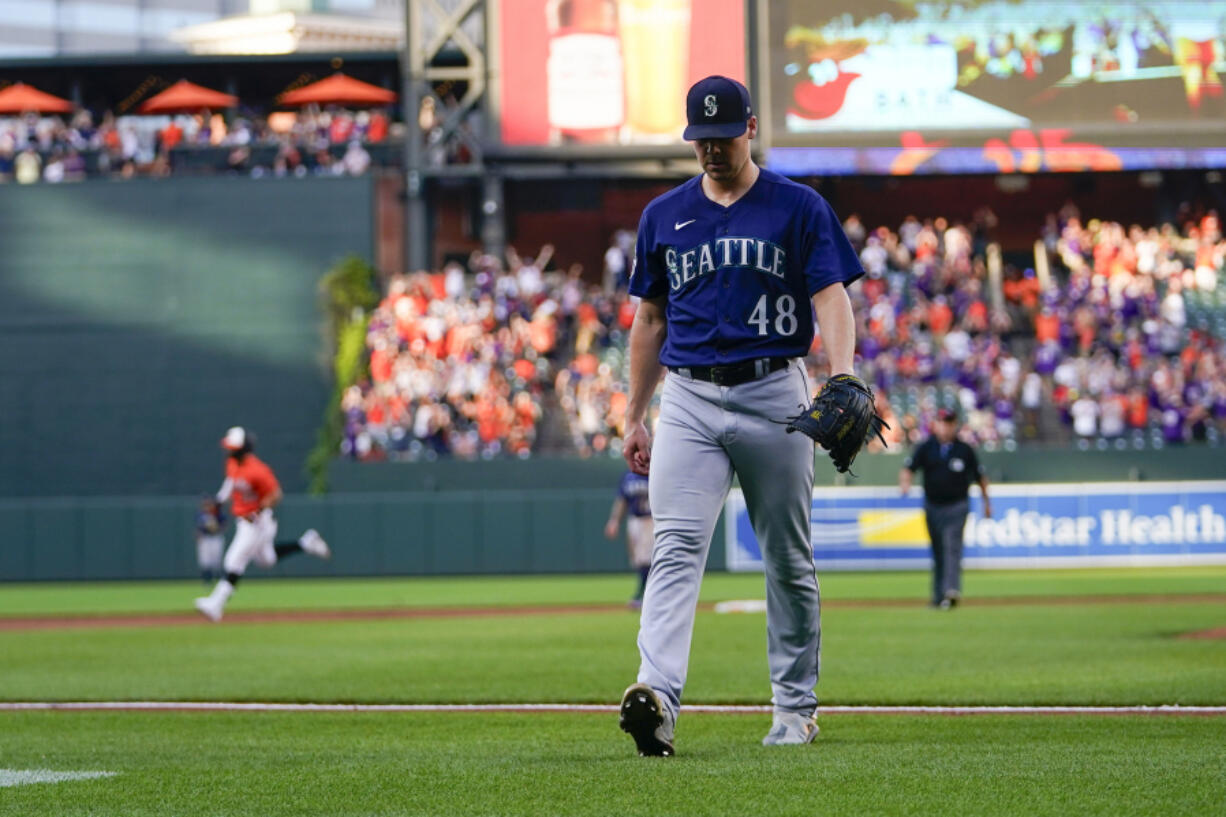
(1103, 637)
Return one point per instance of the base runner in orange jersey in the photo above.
(253, 491)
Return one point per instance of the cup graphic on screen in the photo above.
(583, 71)
(655, 39)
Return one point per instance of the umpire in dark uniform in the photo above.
(949, 466)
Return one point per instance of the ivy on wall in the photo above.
(348, 293)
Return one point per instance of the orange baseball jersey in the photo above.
(253, 480)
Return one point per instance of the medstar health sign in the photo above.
(1049, 525)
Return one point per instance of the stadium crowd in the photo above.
(329, 141)
(1132, 337)
(1120, 344)
(1106, 345)
(332, 140)
(458, 362)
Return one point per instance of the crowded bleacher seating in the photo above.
(1118, 344)
(329, 141)
(1104, 354)
(458, 363)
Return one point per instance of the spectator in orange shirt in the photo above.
(1021, 288)
(940, 316)
(1046, 326)
(1138, 409)
(377, 131)
(171, 135)
(381, 362)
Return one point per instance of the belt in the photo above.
(734, 374)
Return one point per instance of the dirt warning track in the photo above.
(1217, 633)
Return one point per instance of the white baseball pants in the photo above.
(640, 540)
(705, 434)
(208, 551)
(253, 542)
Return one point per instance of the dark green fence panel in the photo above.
(1034, 464)
(355, 536)
(407, 526)
(55, 542)
(541, 473)
(458, 525)
(591, 512)
(15, 542)
(506, 536)
(111, 545)
(162, 538)
(138, 320)
(463, 532)
(415, 533)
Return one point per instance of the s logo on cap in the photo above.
(711, 106)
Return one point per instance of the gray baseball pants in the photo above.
(945, 526)
(705, 434)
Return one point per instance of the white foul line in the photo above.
(25, 777)
(222, 706)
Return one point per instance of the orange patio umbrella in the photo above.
(21, 98)
(186, 97)
(338, 89)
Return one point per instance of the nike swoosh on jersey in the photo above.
(678, 225)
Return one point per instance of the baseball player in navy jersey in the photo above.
(732, 267)
(633, 502)
(210, 538)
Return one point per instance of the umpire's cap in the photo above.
(717, 108)
(947, 415)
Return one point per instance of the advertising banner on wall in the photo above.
(1047, 525)
(1003, 85)
(610, 72)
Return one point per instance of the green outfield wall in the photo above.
(1029, 464)
(453, 517)
(453, 532)
(139, 319)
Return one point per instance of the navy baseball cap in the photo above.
(947, 415)
(716, 108)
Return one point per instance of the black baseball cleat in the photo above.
(646, 720)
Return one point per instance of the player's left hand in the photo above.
(841, 419)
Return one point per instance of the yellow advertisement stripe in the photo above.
(893, 528)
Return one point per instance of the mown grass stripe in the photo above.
(715, 709)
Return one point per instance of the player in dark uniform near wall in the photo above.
(210, 538)
(949, 466)
(632, 502)
(732, 266)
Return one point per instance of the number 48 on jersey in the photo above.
(781, 316)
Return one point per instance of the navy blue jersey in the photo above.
(633, 490)
(210, 524)
(739, 279)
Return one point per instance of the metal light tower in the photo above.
(430, 25)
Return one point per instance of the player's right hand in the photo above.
(637, 449)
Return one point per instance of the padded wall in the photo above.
(139, 319)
